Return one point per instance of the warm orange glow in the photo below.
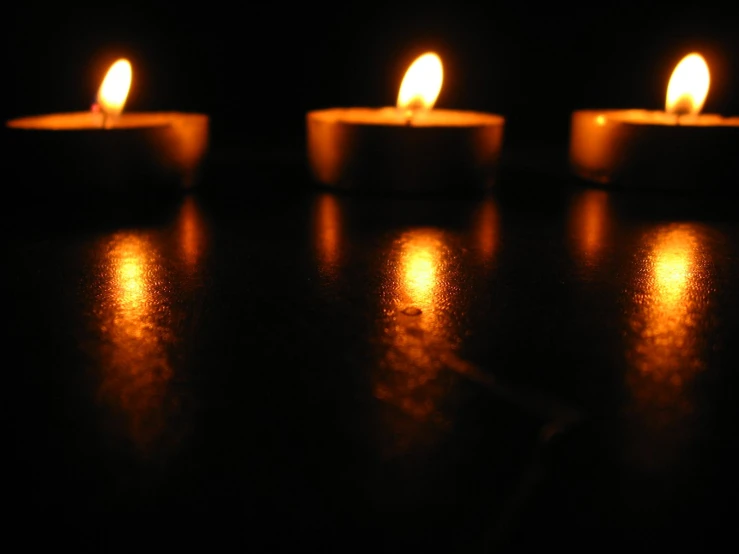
(688, 87)
(672, 269)
(672, 295)
(420, 274)
(589, 218)
(422, 83)
(673, 278)
(130, 278)
(132, 315)
(417, 370)
(327, 221)
(487, 228)
(188, 151)
(416, 345)
(420, 261)
(600, 120)
(191, 232)
(114, 89)
(670, 301)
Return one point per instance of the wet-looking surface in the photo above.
(297, 369)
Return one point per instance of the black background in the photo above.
(547, 308)
(257, 68)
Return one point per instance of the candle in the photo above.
(675, 148)
(410, 147)
(105, 149)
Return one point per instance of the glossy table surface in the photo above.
(286, 368)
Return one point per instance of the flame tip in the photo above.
(688, 86)
(422, 83)
(114, 89)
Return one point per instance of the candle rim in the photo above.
(474, 118)
(125, 122)
(627, 116)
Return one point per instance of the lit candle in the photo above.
(410, 147)
(675, 148)
(105, 149)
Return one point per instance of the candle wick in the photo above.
(409, 118)
(105, 120)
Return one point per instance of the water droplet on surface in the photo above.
(412, 311)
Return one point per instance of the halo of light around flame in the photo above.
(688, 87)
(422, 83)
(114, 89)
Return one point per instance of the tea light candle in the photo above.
(677, 148)
(411, 147)
(107, 150)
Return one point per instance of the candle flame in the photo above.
(688, 87)
(422, 83)
(114, 89)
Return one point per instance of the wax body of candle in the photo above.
(137, 150)
(641, 148)
(386, 149)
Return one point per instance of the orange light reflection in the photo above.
(590, 219)
(191, 232)
(418, 337)
(487, 229)
(667, 353)
(132, 310)
(327, 233)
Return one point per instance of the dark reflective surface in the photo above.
(294, 368)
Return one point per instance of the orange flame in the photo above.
(422, 83)
(113, 91)
(688, 87)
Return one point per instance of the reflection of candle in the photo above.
(670, 299)
(133, 316)
(327, 232)
(589, 218)
(410, 147)
(487, 229)
(417, 332)
(675, 148)
(104, 148)
(421, 272)
(192, 231)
